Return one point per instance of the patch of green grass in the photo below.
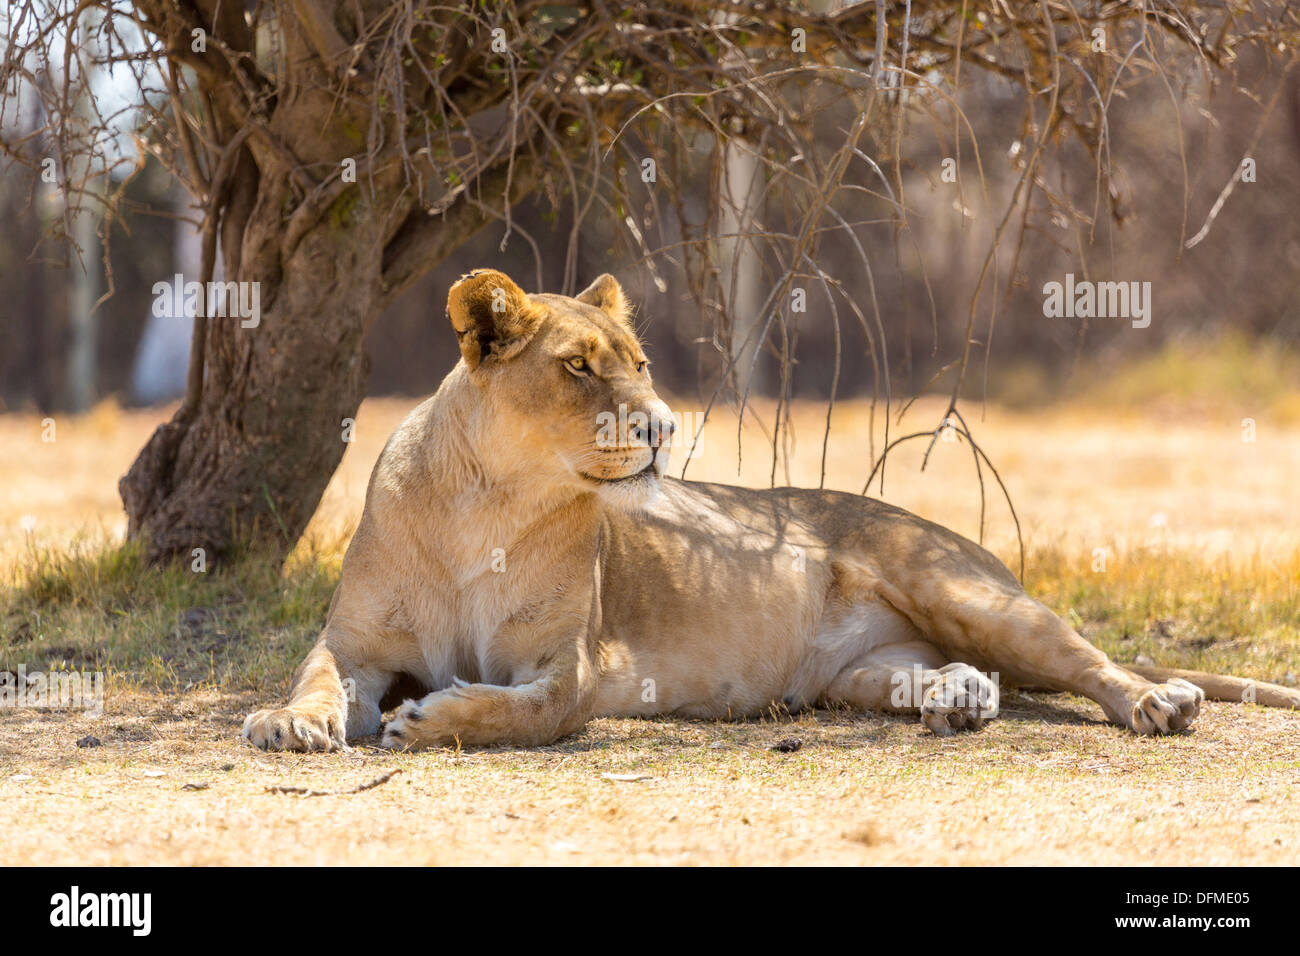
(1229, 372)
(97, 606)
(247, 625)
(1178, 608)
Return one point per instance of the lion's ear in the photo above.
(607, 295)
(492, 316)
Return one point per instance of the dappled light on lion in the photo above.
(524, 559)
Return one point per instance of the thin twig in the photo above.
(306, 792)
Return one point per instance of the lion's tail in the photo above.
(1220, 687)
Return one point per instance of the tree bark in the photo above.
(244, 461)
(250, 463)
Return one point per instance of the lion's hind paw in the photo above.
(1167, 708)
(961, 699)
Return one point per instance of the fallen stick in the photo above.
(306, 792)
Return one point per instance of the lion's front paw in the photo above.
(961, 699)
(404, 730)
(1167, 708)
(428, 722)
(289, 729)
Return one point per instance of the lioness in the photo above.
(529, 570)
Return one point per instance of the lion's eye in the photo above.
(642, 365)
(578, 365)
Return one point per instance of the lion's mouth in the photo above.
(648, 471)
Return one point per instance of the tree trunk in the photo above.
(245, 462)
(248, 465)
(246, 458)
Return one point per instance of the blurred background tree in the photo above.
(807, 199)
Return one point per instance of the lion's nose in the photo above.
(661, 431)
(658, 432)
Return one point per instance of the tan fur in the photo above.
(530, 568)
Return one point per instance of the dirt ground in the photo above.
(170, 782)
(1049, 783)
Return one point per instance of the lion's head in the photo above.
(566, 384)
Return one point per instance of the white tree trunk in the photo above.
(741, 274)
(162, 358)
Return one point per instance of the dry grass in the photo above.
(1202, 570)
